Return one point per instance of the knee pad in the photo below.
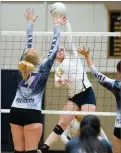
(58, 130)
(31, 151)
(19, 151)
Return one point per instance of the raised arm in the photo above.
(70, 46)
(29, 14)
(104, 80)
(48, 62)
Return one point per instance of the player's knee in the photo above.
(31, 151)
(58, 130)
(63, 124)
(19, 151)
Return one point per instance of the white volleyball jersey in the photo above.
(72, 68)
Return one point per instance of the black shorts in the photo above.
(86, 97)
(117, 132)
(20, 116)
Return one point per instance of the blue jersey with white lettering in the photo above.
(115, 87)
(30, 92)
(74, 145)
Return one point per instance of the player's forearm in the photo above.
(68, 27)
(89, 61)
(70, 45)
(100, 77)
(29, 34)
(48, 62)
(55, 42)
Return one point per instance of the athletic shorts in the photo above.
(86, 97)
(117, 132)
(20, 116)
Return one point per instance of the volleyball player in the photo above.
(25, 114)
(115, 87)
(73, 130)
(88, 141)
(80, 93)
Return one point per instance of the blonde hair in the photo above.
(31, 59)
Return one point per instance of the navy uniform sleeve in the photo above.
(48, 62)
(104, 80)
(29, 37)
(68, 147)
(107, 145)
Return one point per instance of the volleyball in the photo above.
(58, 9)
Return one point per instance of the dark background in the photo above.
(114, 15)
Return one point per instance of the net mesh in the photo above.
(13, 44)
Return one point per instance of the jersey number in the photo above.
(31, 81)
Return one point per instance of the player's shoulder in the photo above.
(73, 145)
(73, 141)
(106, 143)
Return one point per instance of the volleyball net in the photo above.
(101, 46)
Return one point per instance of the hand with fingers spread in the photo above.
(83, 51)
(60, 20)
(29, 14)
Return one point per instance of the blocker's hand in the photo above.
(61, 20)
(83, 51)
(29, 14)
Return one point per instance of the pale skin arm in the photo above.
(104, 80)
(71, 47)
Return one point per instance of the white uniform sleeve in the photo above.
(70, 47)
(64, 136)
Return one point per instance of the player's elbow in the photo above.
(57, 84)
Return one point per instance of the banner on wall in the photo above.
(115, 26)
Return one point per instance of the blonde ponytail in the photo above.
(25, 68)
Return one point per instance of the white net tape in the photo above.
(82, 34)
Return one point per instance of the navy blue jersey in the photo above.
(30, 92)
(115, 87)
(73, 146)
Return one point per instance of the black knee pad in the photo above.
(58, 130)
(19, 151)
(31, 151)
